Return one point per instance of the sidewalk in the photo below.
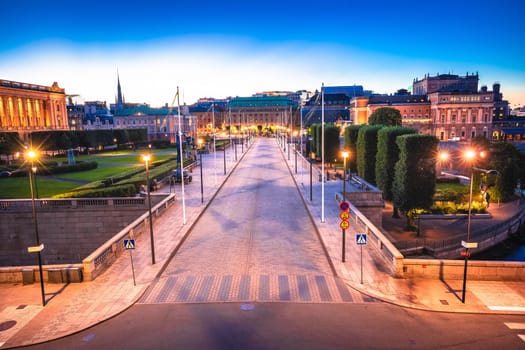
(436, 295)
(73, 307)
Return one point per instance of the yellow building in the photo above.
(25, 108)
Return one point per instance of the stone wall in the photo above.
(69, 233)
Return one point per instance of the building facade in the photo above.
(262, 113)
(161, 123)
(26, 107)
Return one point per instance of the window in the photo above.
(453, 118)
(443, 119)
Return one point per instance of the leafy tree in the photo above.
(415, 173)
(332, 143)
(387, 156)
(350, 144)
(386, 116)
(10, 143)
(367, 151)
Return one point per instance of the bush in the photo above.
(127, 190)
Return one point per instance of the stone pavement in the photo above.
(74, 307)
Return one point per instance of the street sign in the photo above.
(469, 244)
(344, 215)
(360, 239)
(35, 249)
(344, 206)
(344, 224)
(467, 254)
(129, 244)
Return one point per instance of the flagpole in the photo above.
(322, 153)
(181, 162)
(214, 147)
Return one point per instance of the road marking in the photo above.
(514, 325)
(507, 308)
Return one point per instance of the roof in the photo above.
(262, 101)
(142, 109)
(397, 99)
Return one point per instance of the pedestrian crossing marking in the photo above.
(241, 288)
(514, 325)
(129, 244)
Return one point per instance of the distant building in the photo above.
(161, 123)
(337, 105)
(263, 113)
(75, 112)
(207, 112)
(26, 107)
(446, 83)
(97, 116)
(414, 109)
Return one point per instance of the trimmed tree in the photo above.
(415, 174)
(386, 116)
(386, 158)
(331, 140)
(367, 151)
(350, 144)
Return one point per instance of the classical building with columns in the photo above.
(26, 107)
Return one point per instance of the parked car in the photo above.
(177, 178)
(5, 173)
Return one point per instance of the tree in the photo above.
(10, 143)
(367, 151)
(350, 144)
(332, 143)
(415, 173)
(386, 158)
(386, 116)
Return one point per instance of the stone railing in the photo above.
(106, 254)
(70, 203)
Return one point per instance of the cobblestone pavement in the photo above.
(255, 242)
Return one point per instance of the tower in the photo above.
(119, 102)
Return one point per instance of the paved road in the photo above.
(255, 242)
(295, 326)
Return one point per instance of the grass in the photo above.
(18, 187)
(110, 164)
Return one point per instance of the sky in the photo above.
(238, 48)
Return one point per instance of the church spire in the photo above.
(119, 101)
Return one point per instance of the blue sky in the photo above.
(236, 48)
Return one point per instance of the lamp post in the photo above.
(200, 164)
(224, 156)
(146, 158)
(32, 155)
(470, 155)
(312, 157)
(345, 155)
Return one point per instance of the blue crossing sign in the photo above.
(360, 239)
(129, 244)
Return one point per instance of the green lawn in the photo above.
(18, 187)
(97, 174)
(110, 164)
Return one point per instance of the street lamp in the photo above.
(312, 158)
(200, 164)
(470, 156)
(146, 158)
(31, 155)
(345, 155)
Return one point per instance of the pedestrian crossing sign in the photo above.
(360, 239)
(129, 244)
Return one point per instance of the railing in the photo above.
(18, 204)
(389, 253)
(484, 237)
(103, 257)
